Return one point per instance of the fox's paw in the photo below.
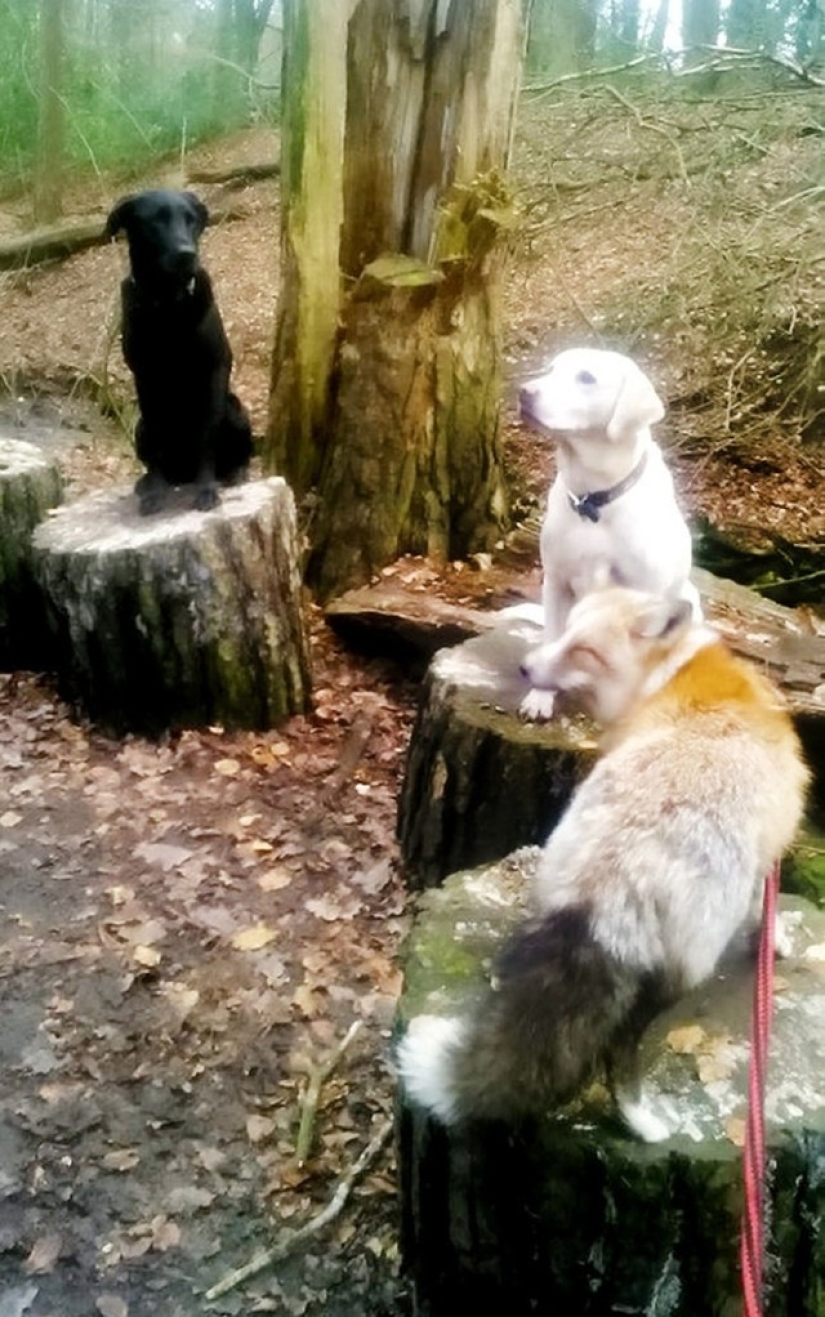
(537, 706)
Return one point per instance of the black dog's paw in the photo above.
(236, 477)
(207, 496)
(151, 492)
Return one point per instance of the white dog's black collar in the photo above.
(590, 505)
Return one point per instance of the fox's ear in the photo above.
(662, 617)
(637, 404)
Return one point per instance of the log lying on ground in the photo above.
(54, 243)
(30, 484)
(572, 1216)
(181, 619)
(478, 781)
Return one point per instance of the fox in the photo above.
(658, 862)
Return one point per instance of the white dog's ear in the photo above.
(638, 404)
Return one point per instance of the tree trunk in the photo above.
(181, 619)
(312, 137)
(48, 183)
(395, 420)
(479, 782)
(569, 1214)
(30, 484)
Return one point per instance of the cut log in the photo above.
(573, 1216)
(50, 244)
(182, 619)
(30, 484)
(479, 782)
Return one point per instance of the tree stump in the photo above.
(30, 484)
(572, 1215)
(182, 619)
(479, 782)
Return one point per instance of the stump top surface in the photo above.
(485, 683)
(109, 521)
(696, 1053)
(17, 456)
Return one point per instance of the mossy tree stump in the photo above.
(182, 619)
(30, 484)
(571, 1215)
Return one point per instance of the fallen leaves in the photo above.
(254, 939)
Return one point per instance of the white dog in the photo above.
(611, 516)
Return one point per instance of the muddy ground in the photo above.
(189, 928)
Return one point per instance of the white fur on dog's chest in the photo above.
(639, 539)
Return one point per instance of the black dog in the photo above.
(191, 427)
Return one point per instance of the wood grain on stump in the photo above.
(181, 619)
(30, 484)
(571, 1215)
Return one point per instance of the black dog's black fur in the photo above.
(191, 426)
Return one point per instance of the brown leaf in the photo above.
(45, 1252)
(686, 1040)
(121, 1159)
(254, 938)
(111, 1305)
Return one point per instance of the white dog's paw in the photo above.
(651, 1120)
(537, 706)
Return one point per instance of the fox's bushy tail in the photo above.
(559, 1009)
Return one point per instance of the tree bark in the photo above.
(48, 183)
(394, 418)
(571, 1215)
(479, 782)
(182, 619)
(30, 484)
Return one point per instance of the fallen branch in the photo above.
(293, 1239)
(317, 1077)
(653, 127)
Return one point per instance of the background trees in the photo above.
(101, 83)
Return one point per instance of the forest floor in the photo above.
(188, 927)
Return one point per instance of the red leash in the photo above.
(752, 1245)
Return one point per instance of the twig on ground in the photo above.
(293, 1239)
(653, 127)
(317, 1077)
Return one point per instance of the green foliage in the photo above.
(135, 84)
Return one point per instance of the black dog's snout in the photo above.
(183, 261)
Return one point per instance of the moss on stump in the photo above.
(181, 619)
(573, 1216)
(30, 484)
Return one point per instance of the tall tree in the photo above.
(700, 22)
(48, 180)
(562, 35)
(385, 384)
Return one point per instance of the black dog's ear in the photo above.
(118, 218)
(201, 213)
